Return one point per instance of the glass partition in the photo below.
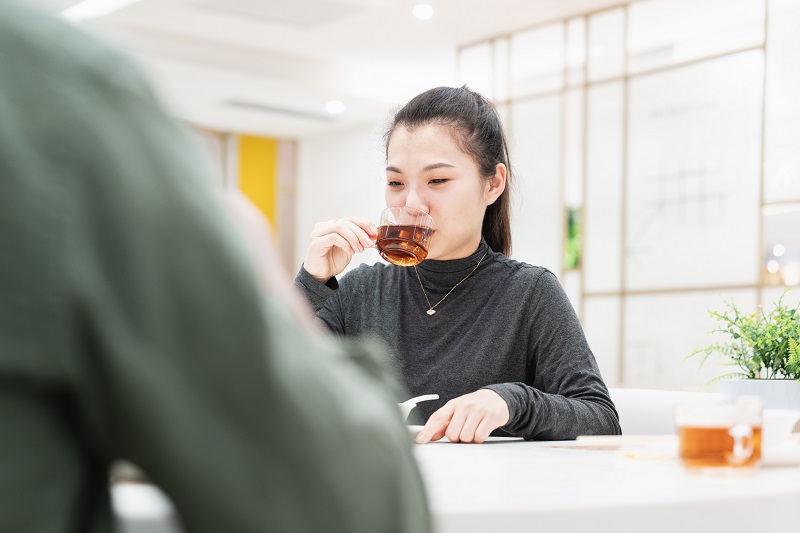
(607, 44)
(501, 69)
(655, 150)
(662, 329)
(537, 61)
(770, 295)
(693, 175)
(536, 160)
(668, 32)
(476, 68)
(573, 148)
(782, 135)
(601, 323)
(576, 51)
(603, 208)
(781, 245)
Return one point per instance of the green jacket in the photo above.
(132, 327)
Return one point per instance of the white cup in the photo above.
(777, 426)
(776, 445)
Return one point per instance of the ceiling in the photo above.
(269, 67)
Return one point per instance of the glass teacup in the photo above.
(404, 235)
(725, 434)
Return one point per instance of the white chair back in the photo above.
(652, 412)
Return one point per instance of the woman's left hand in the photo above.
(468, 418)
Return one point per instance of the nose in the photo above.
(413, 199)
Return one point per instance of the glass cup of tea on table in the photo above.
(720, 434)
(404, 235)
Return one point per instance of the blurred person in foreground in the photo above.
(133, 326)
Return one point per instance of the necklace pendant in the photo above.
(431, 311)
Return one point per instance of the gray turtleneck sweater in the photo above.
(509, 327)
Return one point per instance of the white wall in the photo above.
(339, 175)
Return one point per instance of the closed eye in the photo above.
(393, 184)
(438, 181)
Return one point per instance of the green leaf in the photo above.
(761, 344)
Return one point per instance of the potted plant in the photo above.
(764, 348)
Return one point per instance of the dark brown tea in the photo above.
(403, 245)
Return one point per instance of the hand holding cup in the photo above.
(333, 244)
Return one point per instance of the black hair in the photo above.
(477, 130)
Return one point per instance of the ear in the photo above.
(497, 184)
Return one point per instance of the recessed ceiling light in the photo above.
(95, 8)
(423, 11)
(334, 107)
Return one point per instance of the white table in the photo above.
(508, 485)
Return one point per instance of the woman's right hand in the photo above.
(333, 244)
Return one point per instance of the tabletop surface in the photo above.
(512, 485)
(597, 485)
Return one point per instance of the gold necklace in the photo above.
(432, 310)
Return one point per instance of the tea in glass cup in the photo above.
(404, 235)
(715, 435)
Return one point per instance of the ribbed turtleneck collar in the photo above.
(445, 273)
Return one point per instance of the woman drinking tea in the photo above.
(496, 338)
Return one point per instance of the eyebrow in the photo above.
(434, 166)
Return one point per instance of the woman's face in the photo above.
(427, 170)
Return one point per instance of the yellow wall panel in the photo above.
(258, 168)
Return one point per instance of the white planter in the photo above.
(774, 393)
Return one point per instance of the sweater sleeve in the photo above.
(324, 298)
(565, 395)
(315, 293)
